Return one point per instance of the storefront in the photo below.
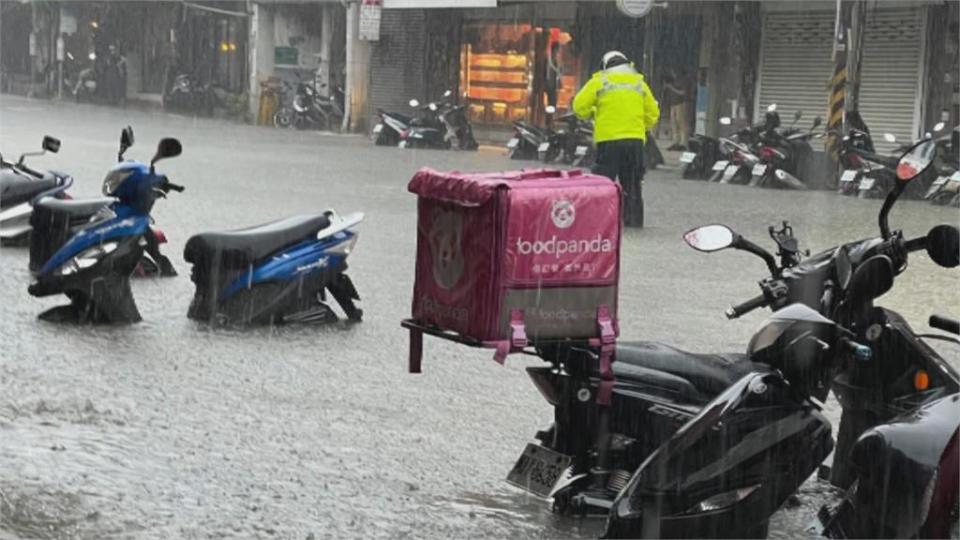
(512, 68)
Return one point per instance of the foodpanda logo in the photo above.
(563, 213)
(444, 239)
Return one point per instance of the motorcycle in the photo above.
(310, 110)
(702, 152)
(784, 155)
(527, 140)
(701, 445)
(188, 94)
(283, 118)
(277, 272)
(446, 126)
(391, 127)
(93, 267)
(945, 190)
(903, 489)
(20, 185)
(56, 220)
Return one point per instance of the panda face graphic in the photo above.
(563, 213)
(444, 239)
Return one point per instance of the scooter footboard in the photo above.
(726, 470)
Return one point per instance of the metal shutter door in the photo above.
(795, 64)
(892, 64)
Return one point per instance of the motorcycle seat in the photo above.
(242, 247)
(74, 207)
(709, 373)
(16, 188)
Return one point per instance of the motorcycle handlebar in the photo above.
(174, 187)
(945, 323)
(734, 312)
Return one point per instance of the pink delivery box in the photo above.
(525, 254)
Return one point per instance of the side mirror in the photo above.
(872, 279)
(939, 126)
(50, 144)
(889, 137)
(916, 160)
(550, 109)
(843, 267)
(448, 93)
(414, 103)
(797, 115)
(943, 245)
(772, 107)
(816, 122)
(126, 137)
(725, 121)
(165, 149)
(432, 106)
(709, 238)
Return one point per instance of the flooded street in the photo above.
(171, 429)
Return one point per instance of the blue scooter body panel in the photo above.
(294, 262)
(117, 227)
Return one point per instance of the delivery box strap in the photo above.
(518, 337)
(608, 346)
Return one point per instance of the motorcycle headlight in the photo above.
(86, 259)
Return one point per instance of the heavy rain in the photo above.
(161, 377)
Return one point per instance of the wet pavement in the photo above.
(171, 429)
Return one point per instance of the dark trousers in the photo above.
(623, 160)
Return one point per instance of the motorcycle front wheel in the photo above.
(282, 118)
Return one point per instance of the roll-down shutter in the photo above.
(796, 67)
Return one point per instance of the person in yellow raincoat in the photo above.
(623, 109)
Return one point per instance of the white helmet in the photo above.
(614, 58)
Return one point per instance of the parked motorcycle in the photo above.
(20, 185)
(702, 152)
(283, 118)
(784, 155)
(313, 111)
(945, 190)
(706, 445)
(906, 471)
(277, 272)
(527, 140)
(187, 94)
(93, 267)
(55, 220)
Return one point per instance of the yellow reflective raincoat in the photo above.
(620, 103)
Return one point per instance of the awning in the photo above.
(430, 4)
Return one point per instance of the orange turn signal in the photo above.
(921, 380)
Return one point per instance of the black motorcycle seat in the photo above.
(74, 207)
(247, 246)
(709, 373)
(16, 188)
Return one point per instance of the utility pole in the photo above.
(855, 54)
(838, 84)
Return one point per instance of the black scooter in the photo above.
(707, 445)
(20, 185)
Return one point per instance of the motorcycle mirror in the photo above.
(92, 56)
(709, 238)
(126, 137)
(168, 147)
(816, 122)
(772, 107)
(50, 144)
(943, 245)
(890, 137)
(550, 109)
(432, 106)
(916, 160)
(414, 103)
(725, 121)
(797, 115)
(939, 126)
(872, 279)
(448, 93)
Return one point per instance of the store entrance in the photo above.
(513, 71)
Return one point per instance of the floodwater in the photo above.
(170, 429)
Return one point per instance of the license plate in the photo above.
(955, 177)
(513, 143)
(867, 183)
(538, 470)
(403, 144)
(687, 157)
(759, 169)
(543, 147)
(720, 165)
(729, 173)
(848, 175)
(378, 128)
(940, 181)
(581, 151)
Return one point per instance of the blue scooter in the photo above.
(93, 267)
(277, 272)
